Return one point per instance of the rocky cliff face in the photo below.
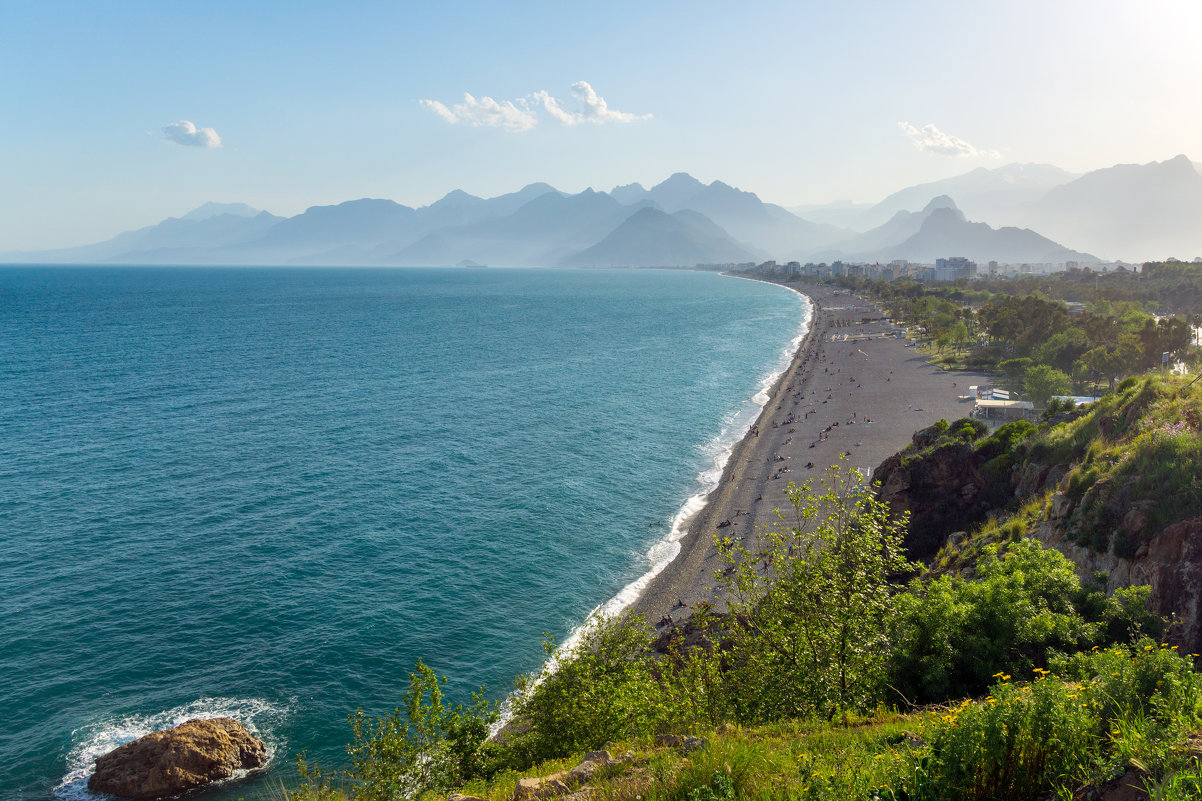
(948, 490)
(1170, 562)
(944, 491)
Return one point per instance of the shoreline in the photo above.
(871, 394)
(629, 596)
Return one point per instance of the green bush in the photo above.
(951, 635)
(968, 429)
(1106, 709)
(425, 747)
(1004, 439)
(604, 689)
(810, 638)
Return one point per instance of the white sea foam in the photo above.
(661, 554)
(260, 717)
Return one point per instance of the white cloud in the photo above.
(933, 140)
(485, 111)
(595, 109)
(185, 133)
(520, 114)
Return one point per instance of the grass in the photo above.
(1081, 723)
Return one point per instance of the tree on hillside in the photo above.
(1064, 348)
(814, 600)
(1015, 370)
(1042, 382)
(1113, 363)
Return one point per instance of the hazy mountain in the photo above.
(1130, 211)
(541, 231)
(629, 194)
(211, 209)
(674, 192)
(945, 232)
(899, 228)
(359, 222)
(758, 225)
(841, 213)
(653, 238)
(459, 208)
(173, 235)
(983, 194)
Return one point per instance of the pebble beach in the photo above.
(854, 389)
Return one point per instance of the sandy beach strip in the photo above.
(852, 388)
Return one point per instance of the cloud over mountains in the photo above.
(521, 114)
(486, 112)
(185, 132)
(595, 109)
(932, 140)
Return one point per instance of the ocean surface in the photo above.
(266, 492)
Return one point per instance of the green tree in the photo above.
(953, 635)
(1042, 382)
(1015, 370)
(424, 747)
(1064, 348)
(1112, 363)
(604, 689)
(813, 602)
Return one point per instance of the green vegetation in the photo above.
(819, 644)
(1086, 720)
(950, 635)
(811, 607)
(840, 669)
(1022, 329)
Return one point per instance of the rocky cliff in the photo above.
(1115, 488)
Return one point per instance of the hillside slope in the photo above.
(1115, 487)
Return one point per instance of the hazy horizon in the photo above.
(127, 115)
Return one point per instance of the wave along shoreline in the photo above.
(662, 553)
(262, 718)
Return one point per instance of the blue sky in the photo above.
(800, 102)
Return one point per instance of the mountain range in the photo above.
(1128, 212)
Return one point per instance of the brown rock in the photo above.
(560, 784)
(1128, 787)
(534, 787)
(167, 763)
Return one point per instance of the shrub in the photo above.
(811, 633)
(1004, 439)
(422, 748)
(1107, 709)
(968, 429)
(951, 635)
(604, 689)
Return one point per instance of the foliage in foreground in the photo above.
(819, 630)
(1083, 722)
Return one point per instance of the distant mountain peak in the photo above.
(943, 215)
(212, 209)
(457, 197)
(941, 202)
(677, 180)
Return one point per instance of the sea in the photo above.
(267, 492)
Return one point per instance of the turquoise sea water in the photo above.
(267, 492)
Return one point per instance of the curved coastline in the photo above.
(665, 552)
(851, 388)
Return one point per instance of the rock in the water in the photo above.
(166, 763)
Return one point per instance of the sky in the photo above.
(114, 116)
